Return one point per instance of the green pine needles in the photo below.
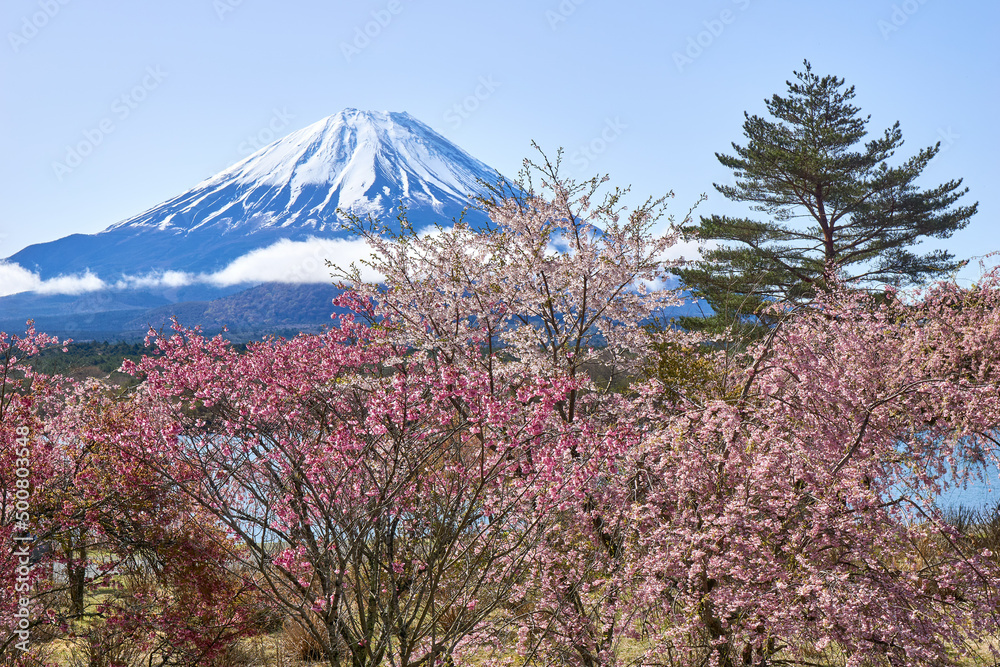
(831, 204)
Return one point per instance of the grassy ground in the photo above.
(281, 648)
(271, 651)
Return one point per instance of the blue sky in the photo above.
(164, 94)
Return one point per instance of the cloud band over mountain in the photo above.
(286, 261)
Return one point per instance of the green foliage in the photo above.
(90, 358)
(689, 373)
(832, 201)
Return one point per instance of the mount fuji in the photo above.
(245, 248)
(362, 162)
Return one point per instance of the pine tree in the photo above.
(833, 202)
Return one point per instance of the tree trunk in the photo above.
(76, 574)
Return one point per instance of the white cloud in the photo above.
(14, 279)
(283, 262)
(166, 279)
(294, 262)
(685, 249)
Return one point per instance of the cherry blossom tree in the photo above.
(562, 284)
(25, 466)
(388, 503)
(77, 514)
(118, 524)
(799, 519)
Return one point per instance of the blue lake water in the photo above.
(976, 495)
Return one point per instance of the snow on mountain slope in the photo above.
(357, 161)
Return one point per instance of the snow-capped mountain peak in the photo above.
(356, 161)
